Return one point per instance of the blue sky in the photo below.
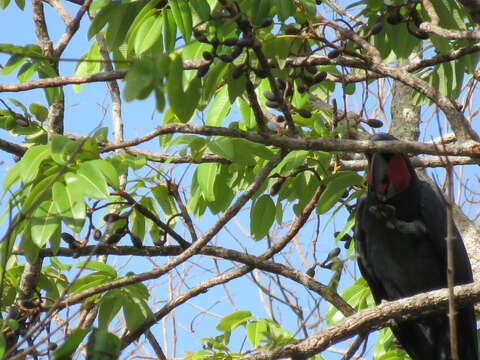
(91, 108)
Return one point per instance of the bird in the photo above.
(400, 241)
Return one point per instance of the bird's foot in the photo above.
(416, 227)
(387, 213)
(382, 211)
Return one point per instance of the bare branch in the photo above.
(373, 318)
(299, 143)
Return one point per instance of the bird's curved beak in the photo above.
(377, 177)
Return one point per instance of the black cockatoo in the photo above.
(400, 240)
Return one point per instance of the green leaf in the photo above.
(89, 281)
(40, 111)
(260, 10)
(206, 174)
(29, 247)
(219, 109)
(62, 147)
(262, 216)
(169, 30)
(88, 67)
(13, 62)
(183, 17)
(26, 71)
(45, 223)
(234, 320)
(101, 19)
(94, 180)
(211, 81)
(161, 194)
(68, 348)
(12, 176)
(98, 266)
(32, 160)
(137, 221)
(39, 192)
(119, 23)
(182, 103)
(109, 307)
(103, 345)
(108, 170)
(20, 4)
(202, 8)
(139, 80)
(3, 345)
(70, 206)
(136, 312)
(149, 32)
(256, 332)
(336, 186)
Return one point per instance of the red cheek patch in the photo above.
(399, 173)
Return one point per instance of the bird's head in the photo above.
(388, 174)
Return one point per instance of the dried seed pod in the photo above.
(302, 88)
(309, 81)
(345, 237)
(312, 69)
(272, 104)
(269, 95)
(374, 123)
(236, 52)
(70, 240)
(310, 271)
(322, 75)
(200, 36)
(207, 55)
(262, 74)
(97, 234)
(243, 22)
(111, 217)
(417, 20)
(395, 19)
(376, 28)
(215, 42)
(136, 241)
(225, 58)
(122, 231)
(28, 304)
(304, 113)
(238, 71)
(266, 22)
(333, 253)
(245, 42)
(230, 42)
(256, 44)
(293, 29)
(422, 35)
(276, 186)
(334, 53)
(203, 70)
(113, 239)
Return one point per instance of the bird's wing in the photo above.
(367, 272)
(434, 216)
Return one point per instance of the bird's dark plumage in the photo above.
(400, 240)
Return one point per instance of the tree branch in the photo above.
(373, 318)
(470, 148)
